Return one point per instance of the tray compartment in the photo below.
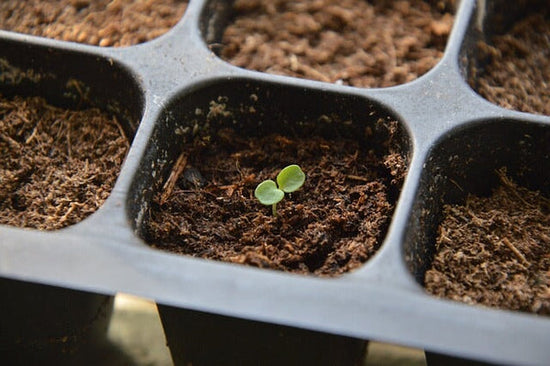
(505, 55)
(465, 162)
(85, 170)
(46, 324)
(251, 110)
(102, 23)
(200, 338)
(328, 42)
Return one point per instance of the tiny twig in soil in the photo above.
(456, 184)
(515, 251)
(475, 219)
(356, 177)
(72, 207)
(10, 141)
(69, 153)
(229, 189)
(508, 183)
(306, 69)
(170, 183)
(121, 130)
(33, 134)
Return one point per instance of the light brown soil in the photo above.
(57, 166)
(352, 42)
(495, 251)
(332, 225)
(100, 22)
(517, 74)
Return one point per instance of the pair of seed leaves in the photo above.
(289, 180)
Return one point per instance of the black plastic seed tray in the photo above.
(454, 140)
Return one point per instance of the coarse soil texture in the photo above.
(57, 166)
(351, 42)
(99, 22)
(333, 224)
(495, 251)
(516, 71)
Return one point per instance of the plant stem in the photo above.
(274, 209)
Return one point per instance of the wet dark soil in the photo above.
(516, 71)
(351, 42)
(57, 166)
(495, 251)
(99, 22)
(332, 225)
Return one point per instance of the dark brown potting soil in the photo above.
(517, 73)
(352, 42)
(98, 22)
(495, 251)
(57, 166)
(333, 224)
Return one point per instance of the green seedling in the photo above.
(289, 180)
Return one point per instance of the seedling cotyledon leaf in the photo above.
(289, 180)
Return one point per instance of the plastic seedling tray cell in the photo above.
(50, 323)
(451, 138)
(42, 321)
(199, 123)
